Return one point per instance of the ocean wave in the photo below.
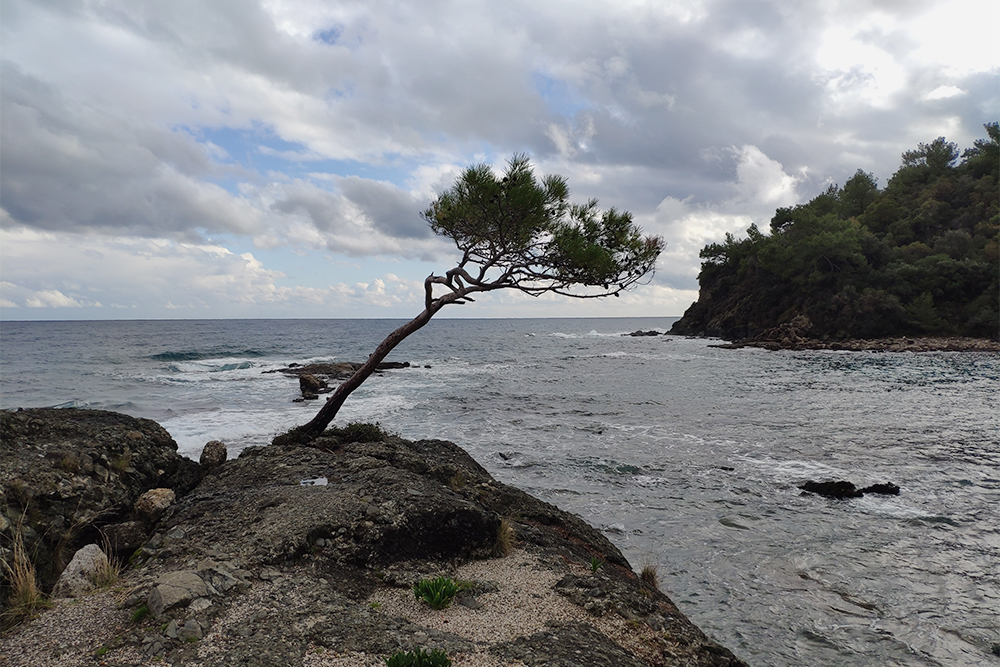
(196, 355)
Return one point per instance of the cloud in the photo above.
(149, 129)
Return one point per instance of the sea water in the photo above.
(686, 456)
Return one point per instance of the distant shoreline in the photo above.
(893, 344)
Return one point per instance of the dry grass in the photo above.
(506, 538)
(24, 599)
(651, 574)
(109, 570)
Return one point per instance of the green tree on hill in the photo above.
(919, 257)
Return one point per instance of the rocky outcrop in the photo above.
(640, 333)
(254, 567)
(797, 334)
(65, 474)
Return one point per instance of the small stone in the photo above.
(171, 630)
(213, 455)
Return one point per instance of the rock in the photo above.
(191, 630)
(175, 589)
(71, 472)
(644, 333)
(844, 489)
(213, 454)
(151, 505)
(124, 538)
(839, 489)
(887, 489)
(78, 577)
(310, 384)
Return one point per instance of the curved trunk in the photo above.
(333, 404)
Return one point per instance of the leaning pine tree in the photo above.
(515, 232)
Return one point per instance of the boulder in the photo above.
(213, 454)
(71, 472)
(151, 505)
(175, 589)
(125, 537)
(78, 577)
(310, 384)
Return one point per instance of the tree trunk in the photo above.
(333, 404)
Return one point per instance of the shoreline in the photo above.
(308, 556)
(895, 344)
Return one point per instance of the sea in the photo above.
(687, 456)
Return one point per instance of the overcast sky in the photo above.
(238, 159)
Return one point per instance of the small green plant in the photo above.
(438, 593)
(101, 651)
(123, 462)
(418, 658)
(596, 564)
(140, 613)
(374, 605)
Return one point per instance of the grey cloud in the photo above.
(390, 210)
(67, 166)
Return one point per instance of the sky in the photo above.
(224, 159)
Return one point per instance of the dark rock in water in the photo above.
(886, 489)
(310, 384)
(644, 333)
(839, 489)
(71, 472)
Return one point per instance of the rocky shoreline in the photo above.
(795, 335)
(307, 556)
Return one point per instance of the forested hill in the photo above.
(917, 258)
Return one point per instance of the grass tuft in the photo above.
(25, 599)
(595, 564)
(651, 574)
(506, 536)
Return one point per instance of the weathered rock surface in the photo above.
(78, 577)
(254, 568)
(71, 472)
(153, 504)
(213, 454)
(174, 589)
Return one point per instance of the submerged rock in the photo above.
(839, 489)
(842, 489)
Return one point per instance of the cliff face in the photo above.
(307, 555)
(919, 258)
